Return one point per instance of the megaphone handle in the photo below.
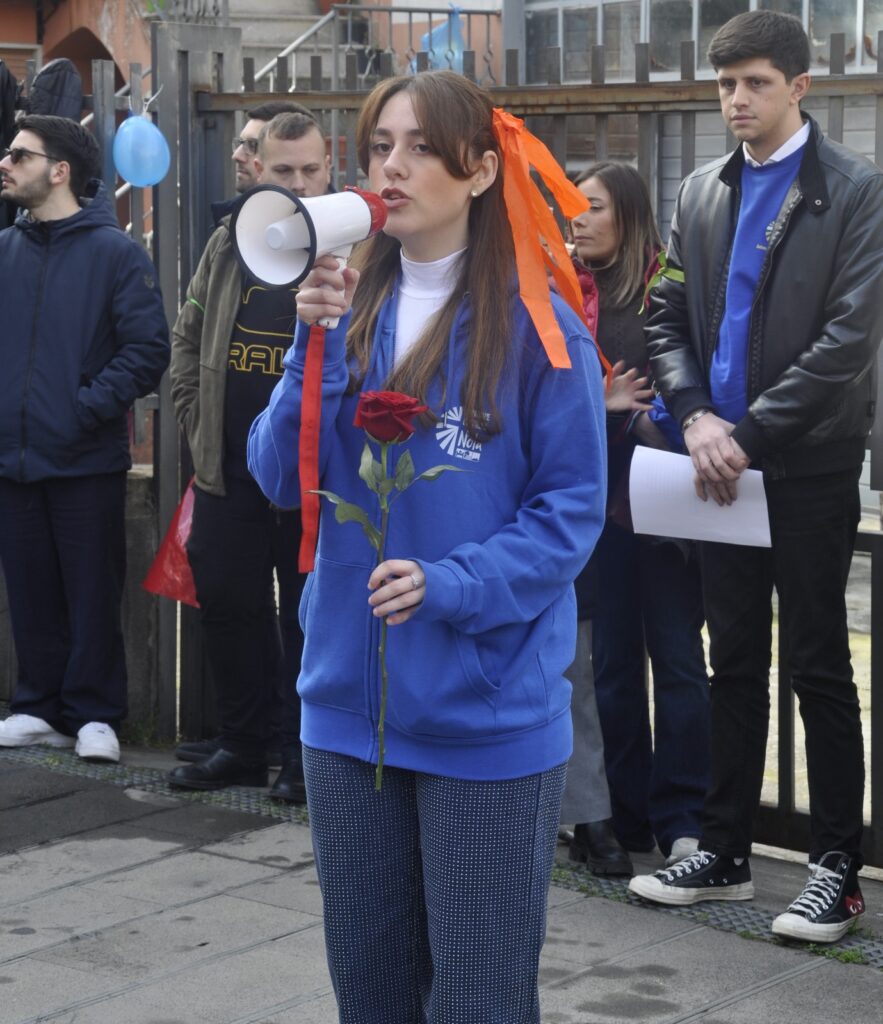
(341, 255)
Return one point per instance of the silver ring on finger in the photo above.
(415, 583)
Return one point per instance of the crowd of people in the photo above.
(516, 700)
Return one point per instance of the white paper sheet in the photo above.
(665, 503)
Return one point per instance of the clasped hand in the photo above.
(719, 461)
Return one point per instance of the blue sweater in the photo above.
(763, 192)
(476, 677)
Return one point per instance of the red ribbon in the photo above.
(308, 450)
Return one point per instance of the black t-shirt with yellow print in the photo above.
(262, 334)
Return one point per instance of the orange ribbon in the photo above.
(533, 224)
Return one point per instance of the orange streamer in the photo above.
(533, 224)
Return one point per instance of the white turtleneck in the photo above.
(424, 289)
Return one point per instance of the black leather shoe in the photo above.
(289, 785)
(220, 770)
(199, 750)
(595, 844)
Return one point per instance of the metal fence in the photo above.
(666, 128)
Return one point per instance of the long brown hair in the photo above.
(639, 239)
(455, 117)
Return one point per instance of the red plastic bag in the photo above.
(170, 574)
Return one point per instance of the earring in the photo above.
(474, 193)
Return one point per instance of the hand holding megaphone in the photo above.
(277, 236)
(326, 293)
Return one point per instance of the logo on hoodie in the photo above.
(451, 435)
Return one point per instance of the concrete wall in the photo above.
(139, 613)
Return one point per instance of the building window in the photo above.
(580, 35)
(622, 29)
(794, 7)
(873, 25)
(541, 32)
(825, 18)
(671, 21)
(712, 15)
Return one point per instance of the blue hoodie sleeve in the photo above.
(517, 573)
(273, 440)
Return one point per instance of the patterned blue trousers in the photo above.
(434, 890)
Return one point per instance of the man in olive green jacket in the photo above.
(228, 344)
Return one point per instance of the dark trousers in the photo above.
(254, 654)
(650, 598)
(813, 523)
(63, 549)
(434, 890)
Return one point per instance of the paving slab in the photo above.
(49, 868)
(180, 878)
(48, 920)
(21, 788)
(592, 930)
(175, 938)
(665, 980)
(196, 822)
(229, 987)
(28, 993)
(90, 805)
(301, 894)
(832, 994)
(285, 845)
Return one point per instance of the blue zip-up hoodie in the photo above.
(83, 334)
(476, 676)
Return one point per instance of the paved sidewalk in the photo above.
(123, 904)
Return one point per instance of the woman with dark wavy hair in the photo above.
(647, 594)
(434, 888)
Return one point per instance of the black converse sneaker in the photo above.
(831, 900)
(701, 876)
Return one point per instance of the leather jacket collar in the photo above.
(810, 177)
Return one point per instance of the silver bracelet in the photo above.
(691, 419)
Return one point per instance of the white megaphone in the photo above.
(277, 236)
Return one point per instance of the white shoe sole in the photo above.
(38, 740)
(793, 926)
(87, 753)
(652, 889)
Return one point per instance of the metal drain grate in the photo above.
(153, 780)
(741, 918)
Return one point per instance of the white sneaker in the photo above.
(681, 848)
(97, 742)
(28, 731)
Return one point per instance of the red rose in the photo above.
(387, 415)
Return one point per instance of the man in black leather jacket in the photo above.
(765, 354)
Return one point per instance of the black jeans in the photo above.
(63, 549)
(650, 595)
(813, 522)
(235, 544)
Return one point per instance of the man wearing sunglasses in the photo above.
(83, 335)
(228, 344)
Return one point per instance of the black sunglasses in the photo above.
(251, 145)
(17, 153)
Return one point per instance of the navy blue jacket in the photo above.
(83, 334)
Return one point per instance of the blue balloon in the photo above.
(140, 152)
